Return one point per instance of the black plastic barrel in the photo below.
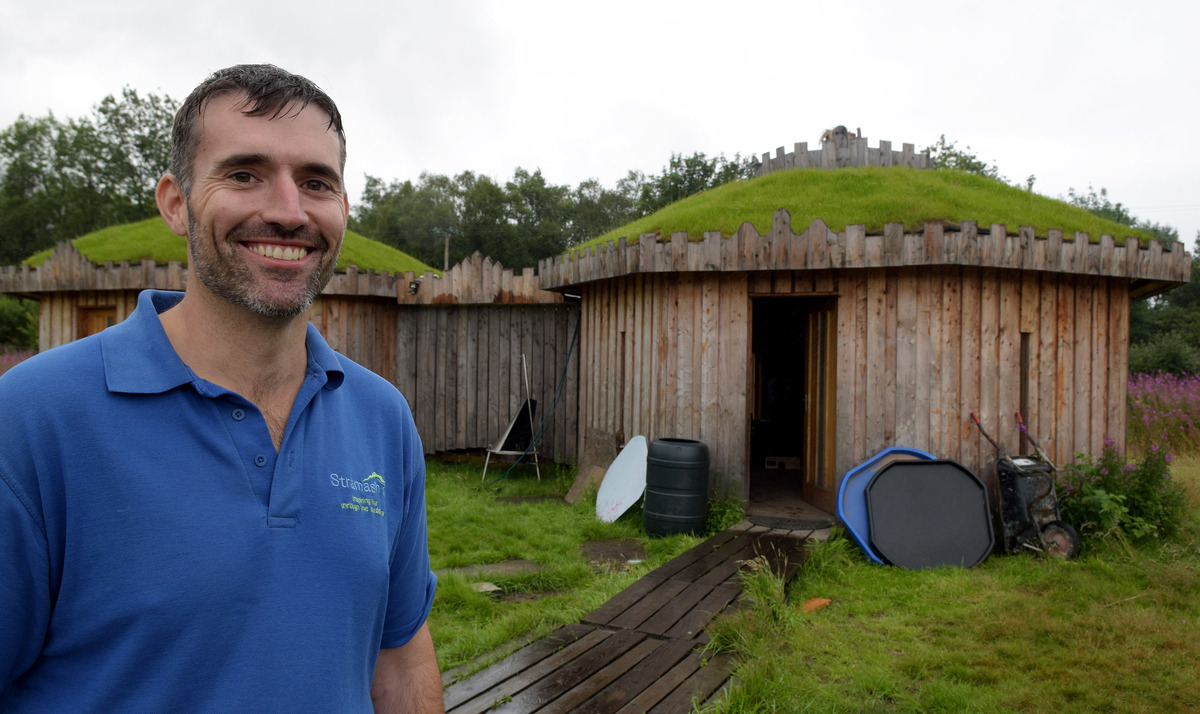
(676, 486)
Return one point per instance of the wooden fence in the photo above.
(1148, 266)
(838, 155)
(461, 367)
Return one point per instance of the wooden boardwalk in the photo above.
(642, 650)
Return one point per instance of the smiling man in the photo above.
(205, 508)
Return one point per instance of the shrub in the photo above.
(723, 513)
(18, 322)
(1109, 497)
(10, 357)
(1172, 352)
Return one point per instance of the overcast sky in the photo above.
(1101, 93)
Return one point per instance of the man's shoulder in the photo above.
(362, 383)
(66, 367)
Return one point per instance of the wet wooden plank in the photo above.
(649, 605)
(566, 677)
(515, 673)
(623, 600)
(638, 679)
(674, 609)
(699, 687)
(733, 548)
(714, 603)
(663, 686)
(586, 691)
(673, 566)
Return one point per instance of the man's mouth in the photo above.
(279, 252)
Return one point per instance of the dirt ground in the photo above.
(612, 554)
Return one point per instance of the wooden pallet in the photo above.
(641, 650)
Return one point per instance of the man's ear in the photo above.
(172, 204)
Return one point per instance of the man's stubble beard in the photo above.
(232, 280)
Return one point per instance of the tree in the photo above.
(61, 179)
(687, 176)
(420, 219)
(1165, 331)
(528, 218)
(598, 209)
(441, 220)
(542, 214)
(18, 322)
(1099, 204)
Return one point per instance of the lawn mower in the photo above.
(1028, 502)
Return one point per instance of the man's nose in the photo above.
(284, 206)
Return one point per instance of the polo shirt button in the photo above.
(239, 414)
(260, 460)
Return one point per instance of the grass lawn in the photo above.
(468, 526)
(1114, 630)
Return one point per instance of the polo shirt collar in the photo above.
(139, 358)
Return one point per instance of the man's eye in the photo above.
(242, 177)
(316, 185)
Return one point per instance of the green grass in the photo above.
(869, 197)
(1111, 631)
(468, 526)
(1114, 630)
(152, 240)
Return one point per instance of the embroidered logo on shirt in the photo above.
(361, 500)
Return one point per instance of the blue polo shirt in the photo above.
(157, 554)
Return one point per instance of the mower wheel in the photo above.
(1060, 539)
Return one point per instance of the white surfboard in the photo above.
(625, 481)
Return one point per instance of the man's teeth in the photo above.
(279, 252)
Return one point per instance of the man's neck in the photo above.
(261, 358)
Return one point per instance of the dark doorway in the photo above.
(791, 425)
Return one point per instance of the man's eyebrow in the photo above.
(324, 171)
(240, 160)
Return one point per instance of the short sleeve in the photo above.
(410, 596)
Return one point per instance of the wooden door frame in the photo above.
(820, 420)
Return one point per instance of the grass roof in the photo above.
(152, 240)
(869, 197)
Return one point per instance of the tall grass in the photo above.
(10, 357)
(1163, 410)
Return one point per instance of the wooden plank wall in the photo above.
(58, 319)
(460, 366)
(919, 350)
(666, 356)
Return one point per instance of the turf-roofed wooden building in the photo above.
(811, 350)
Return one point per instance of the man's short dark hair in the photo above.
(270, 92)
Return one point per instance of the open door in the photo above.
(820, 379)
(793, 405)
